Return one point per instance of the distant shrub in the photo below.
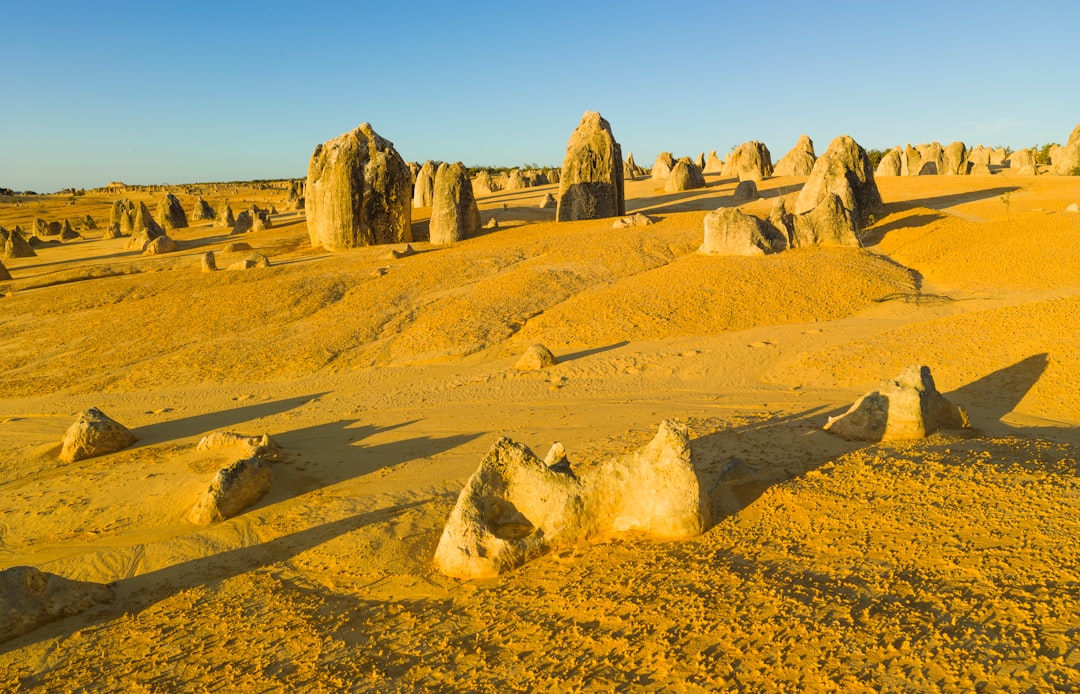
(876, 155)
(1042, 152)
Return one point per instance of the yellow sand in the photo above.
(949, 563)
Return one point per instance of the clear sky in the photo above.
(149, 92)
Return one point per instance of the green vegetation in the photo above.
(876, 155)
(1042, 152)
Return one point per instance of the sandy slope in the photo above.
(945, 564)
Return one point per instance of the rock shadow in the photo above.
(998, 393)
(874, 235)
(942, 202)
(590, 352)
(211, 421)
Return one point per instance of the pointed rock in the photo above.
(591, 183)
(94, 433)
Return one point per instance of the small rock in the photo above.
(94, 433)
(635, 220)
(536, 357)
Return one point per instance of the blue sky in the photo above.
(148, 92)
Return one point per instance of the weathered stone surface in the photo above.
(170, 214)
(907, 407)
(201, 210)
(661, 168)
(491, 223)
(979, 170)
(889, 164)
(750, 161)
(208, 263)
(483, 184)
(223, 218)
(515, 507)
(684, 176)
(782, 222)
(591, 184)
(424, 188)
(241, 483)
(535, 358)
(729, 231)
(245, 222)
(979, 155)
(4, 274)
(94, 433)
(358, 192)
(828, 224)
(843, 170)
(635, 220)
(54, 228)
(143, 229)
(121, 215)
(997, 157)
(30, 598)
(454, 215)
(799, 161)
(1066, 161)
(15, 246)
(1020, 158)
(236, 247)
(67, 233)
(931, 159)
(162, 244)
(746, 191)
(954, 160)
(515, 180)
(713, 164)
(547, 202)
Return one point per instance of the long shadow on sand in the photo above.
(997, 394)
(942, 202)
(212, 421)
(589, 352)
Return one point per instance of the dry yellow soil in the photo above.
(951, 563)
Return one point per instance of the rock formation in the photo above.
(843, 171)
(483, 183)
(162, 244)
(729, 231)
(15, 246)
(889, 164)
(750, 161)
(931, 159)
(516, 507)
(454, 215)
(30, 598)
(94, 433)
(1020, 158)
(239, 484)
(907, 407)
(208, 262)
(245, 222)
(4, 274)
(67, 233)
(661, 168)
(170, 214)
(358, 192)
(223, 218)
(684, 176)
(635, 220)
(713, 164)
(1067, 161)
(535, 358)
(745, 192)
(828, 224)
(591, 183)
(515, 181)
(799, 161)
(547, 202)
(424, 188)
(954, 160)
(144, 229)
(201, 210)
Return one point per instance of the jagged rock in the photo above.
(120, 209)
(730, 231)
(162, 244)
(67, 233)
(201, 211)
(245, 222)
(547, 202)
(844, 170)
(208, 262)
(662, 167)
(170, 214)
(635, 220)
(4, 274)
(799, 161)
(997, 156)
(910, 161)
(979, 155)
(491, 223)
(224, 218)
(591, 183)
(889, 164)
(53, 228)
(358, 192)
(483, 184)
(908, 407)
(1020, 158)
(424, 188)
(143, 229)
(515, 507)
(454, 215)
(1028, 170)
(954, 160)
(88, 223)
(630, 169)
(30, 598)
(236, 247)
(234, 488)
(684, 176)
(713, 164)
(746, 191)
(700, 161)
(979, 170)
(783, 222)
(931, 159)
(750, 161)
(1067, 160)
(15, 246)
(395, 254)
(536, 357)
(828, 224)
(94, 433)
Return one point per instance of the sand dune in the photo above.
(949, 563)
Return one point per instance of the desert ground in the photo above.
(950, 563)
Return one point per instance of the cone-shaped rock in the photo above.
(729, 231)
(663, 165)
(1067, 161)
(358, 193)
(223, 218)
(799, 161)
(454, 215)
(751, 161)
(170, 214)
(4, 274)
(94, 433)
(889, 164)
(591, 184)
(907, 407)
(843, 170)
(828, 224)
(16, 246)
(201, 211)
